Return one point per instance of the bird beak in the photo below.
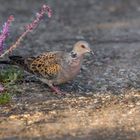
(91, 52)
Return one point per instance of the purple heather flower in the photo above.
(30, 27)
(5, 32)
(1, 88)
(39, 16)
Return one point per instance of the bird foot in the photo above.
(57, 91)
(54, 89)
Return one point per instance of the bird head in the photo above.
(80, 48)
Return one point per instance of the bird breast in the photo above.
(69, 71)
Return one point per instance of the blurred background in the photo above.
(99, 22)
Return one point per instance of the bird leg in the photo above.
(55, 89)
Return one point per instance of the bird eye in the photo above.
(82, 46)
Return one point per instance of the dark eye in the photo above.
(82, 46)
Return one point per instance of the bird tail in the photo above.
(14, 60)
(5, 62)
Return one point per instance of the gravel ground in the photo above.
(103, 101)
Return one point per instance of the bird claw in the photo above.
(57, 91)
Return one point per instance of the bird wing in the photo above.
(47, 65)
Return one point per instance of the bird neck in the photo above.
(75, 59)
(73, 54)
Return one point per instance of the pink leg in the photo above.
(57, 90)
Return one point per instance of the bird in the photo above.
(55, 67)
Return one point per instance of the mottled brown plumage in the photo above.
(46, 65)
(54, 68)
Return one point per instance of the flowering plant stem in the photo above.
(30, 27)
(5, 32)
